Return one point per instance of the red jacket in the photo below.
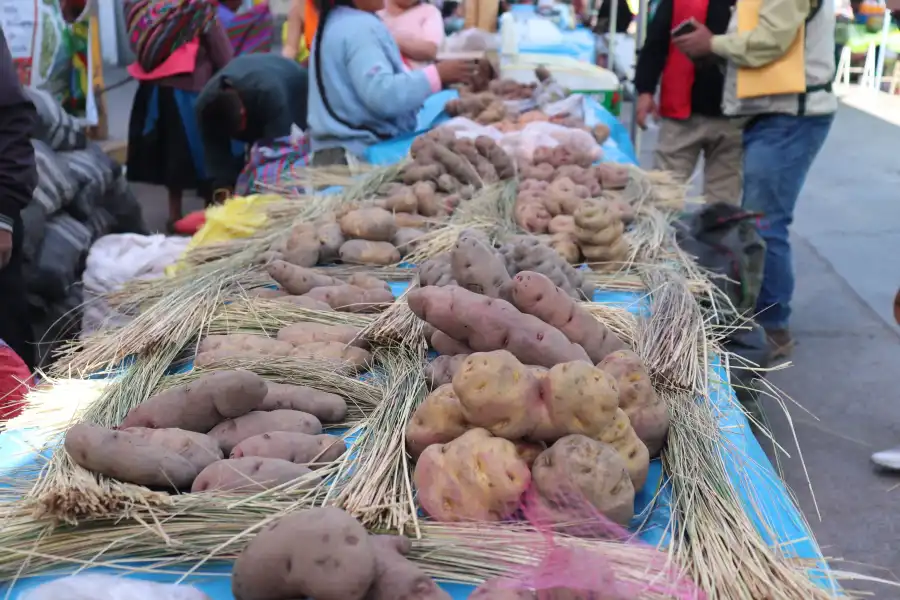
(677, 80)
(12, 391)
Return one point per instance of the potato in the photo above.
(131, 458)
(300, 448)
(560, 193)
(305, 302)
(564, 244)
(476, 477)
(620, 435)
(405, 239)
(362, 252)
(488, 591)
(234, 431)
(268, 256)
(541, 171)
(198, 448)
(202, 404)
(581, 398)
(562, 224)
(531, 216)
(503, 164)
(302, 246)
(444, 344)
(437, 420)
(457, 166)
(331, 238)
(247, 343)
(437, 271)
(577, 469)
(410, 221)
(320, 553)
(647, 413)
(486, 324)
(373, 224)
(336, 351)
(529, 451)
(498, 393)
(529, 254)
(299, 334)
(417, 173)
(448, 183)
(351, 298)
(297, 280)
(248, 475)
(441, 370)
(396, 577)
(325, 406)
(612, 176)
(428, 204)
(368, 282)
(535, 294)
(477, 267)
(402, 200)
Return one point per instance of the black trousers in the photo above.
(15, 322)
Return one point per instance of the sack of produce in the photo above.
(61, 259)
(56, 128)
(55, 185)
(93, 173)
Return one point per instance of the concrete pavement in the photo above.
(846, 241)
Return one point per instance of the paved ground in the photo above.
(846, 242)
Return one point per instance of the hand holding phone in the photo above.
(684, 28)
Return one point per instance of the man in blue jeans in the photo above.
(782, 136)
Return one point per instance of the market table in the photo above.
(761, 490)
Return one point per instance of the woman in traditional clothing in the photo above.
(164, 145)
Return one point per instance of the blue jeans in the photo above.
(778, 152)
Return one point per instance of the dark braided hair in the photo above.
(324, 7)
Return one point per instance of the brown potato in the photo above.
(581, 398)
(444, 344)
(131, 458)
(234, 431)
(299, 334)
(198, 448)
(330, 240)
(396, 577)
(362, 252)
(368, 282)
(297, 280)
(373, 224)
(329, 554)
(249, 475)
(247, 343)
(646, 411)
(202, 404)
(325, 406)
(351, 298)
(347, 355)
(305, 302)
(441, 370)
(300, 448)
(621, 436)
(477, 267)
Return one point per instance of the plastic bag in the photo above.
(108, 587)
(471, 40)
(522, 144)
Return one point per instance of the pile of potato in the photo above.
(452, 163)
(325, 554)
(311, 289)
(485, 108)
(338, 343)
(474, 264)
(178, 439)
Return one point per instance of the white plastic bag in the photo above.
(109, 587)
(522, 144)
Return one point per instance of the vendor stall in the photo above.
(317, 304)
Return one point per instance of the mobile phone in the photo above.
(684, 28)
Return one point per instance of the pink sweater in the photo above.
(423, 22)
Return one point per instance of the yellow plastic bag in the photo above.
(238, 217)
(787, 75)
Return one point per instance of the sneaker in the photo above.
(888, 459)
(781, 344)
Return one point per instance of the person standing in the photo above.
(690, 101)
(18, 178)
(783, 133)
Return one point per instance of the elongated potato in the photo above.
(396, 577)
(129, 457)
(364, 252)
(248, 475)
(486, 324)
(202, 404)
(245, 343)
(441, 369)
(646, 411)
(305, 302)
(368, 282)
(438, 420)
(307, 333)
(327, 407)
(621, 436)
(444, 344)
(234, 431)
(336, 351)
(534, 294)
(300, 448)
(198, 448)
(477, 267)
(329, 554)
(350, 298)
(330, 240)
(298, 280)
(373, 224)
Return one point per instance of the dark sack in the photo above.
(61, 259)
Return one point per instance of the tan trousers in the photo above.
(719, 140)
